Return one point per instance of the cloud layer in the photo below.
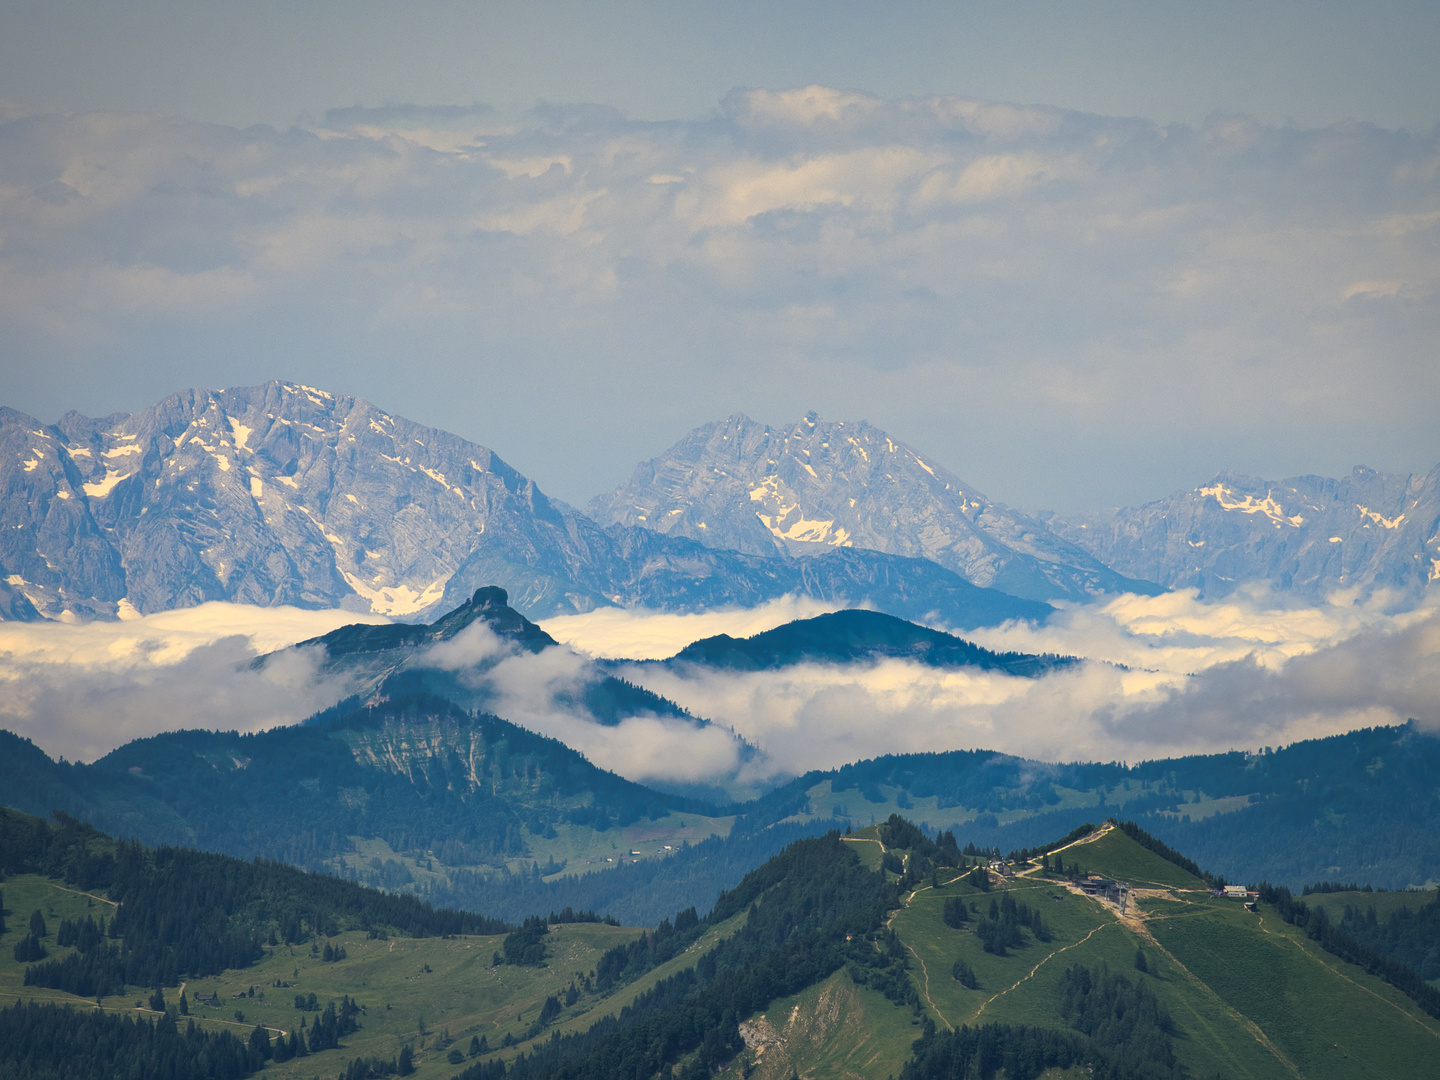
(1067, 309)
(1196, 677)
(80, 690)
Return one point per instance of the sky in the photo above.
(1083, 254)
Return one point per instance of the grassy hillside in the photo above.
(829, 961)
(431, 993)
(1249, 996)
(1111, 853)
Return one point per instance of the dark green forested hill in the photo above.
(1358, 806)
(417, 772)
(477, 801)
(843, 637)
(180, 912)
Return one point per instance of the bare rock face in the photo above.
(277, 494)
(285, 494)
(742, 485)
(1310, 535)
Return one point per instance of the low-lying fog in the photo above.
(1169, 675)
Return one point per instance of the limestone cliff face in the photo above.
(820, 484)
(1310, 535)
(276, 494)
(285, 494)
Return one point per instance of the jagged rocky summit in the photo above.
(840, 484)
(286, 494)
(1310, 535)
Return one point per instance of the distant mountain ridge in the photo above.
(394, 661)
(854, 636)
(839, 484)
(1310, 535)
(286, 494)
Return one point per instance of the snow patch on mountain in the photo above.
(775, 491)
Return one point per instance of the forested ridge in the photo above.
(1411, 937)
(184, 913)
(1360, 801)
(1115, 1030)
(52, 1042)
(809, 911)
(841, 637)
(299, 793)
(1339, 941)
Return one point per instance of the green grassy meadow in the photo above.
(1115, 855)
(1250, 996)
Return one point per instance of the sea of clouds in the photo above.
(1164, 675)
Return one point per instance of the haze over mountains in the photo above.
(284, 494)
(1309, 535)
(747, 486)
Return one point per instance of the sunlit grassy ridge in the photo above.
(1248, 996)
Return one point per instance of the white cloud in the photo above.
(1203, 677)
(541, 691)
(82, 689)
(639, 634)
(1174, 300)
(1243, 673)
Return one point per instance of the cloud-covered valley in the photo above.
(1167, 675)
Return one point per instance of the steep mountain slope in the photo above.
(1308, 534)
(420, 774)
(399, 659)
(276, 494)
(847, 637)
(742, 485)
(284, 494)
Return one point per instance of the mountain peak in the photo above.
(489, 605)
(835, 483)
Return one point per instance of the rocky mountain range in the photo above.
(285, 494)
(740, 485)
(1310, 535)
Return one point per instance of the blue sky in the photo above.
(1198, 237)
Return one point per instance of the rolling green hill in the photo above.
(887, 952)
(854, 635)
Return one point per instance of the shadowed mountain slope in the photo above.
(844, 637)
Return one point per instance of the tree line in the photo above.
(185, 913)
(810, 910)
(52, 1042)
(1115, 1030)
(1338, 942)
